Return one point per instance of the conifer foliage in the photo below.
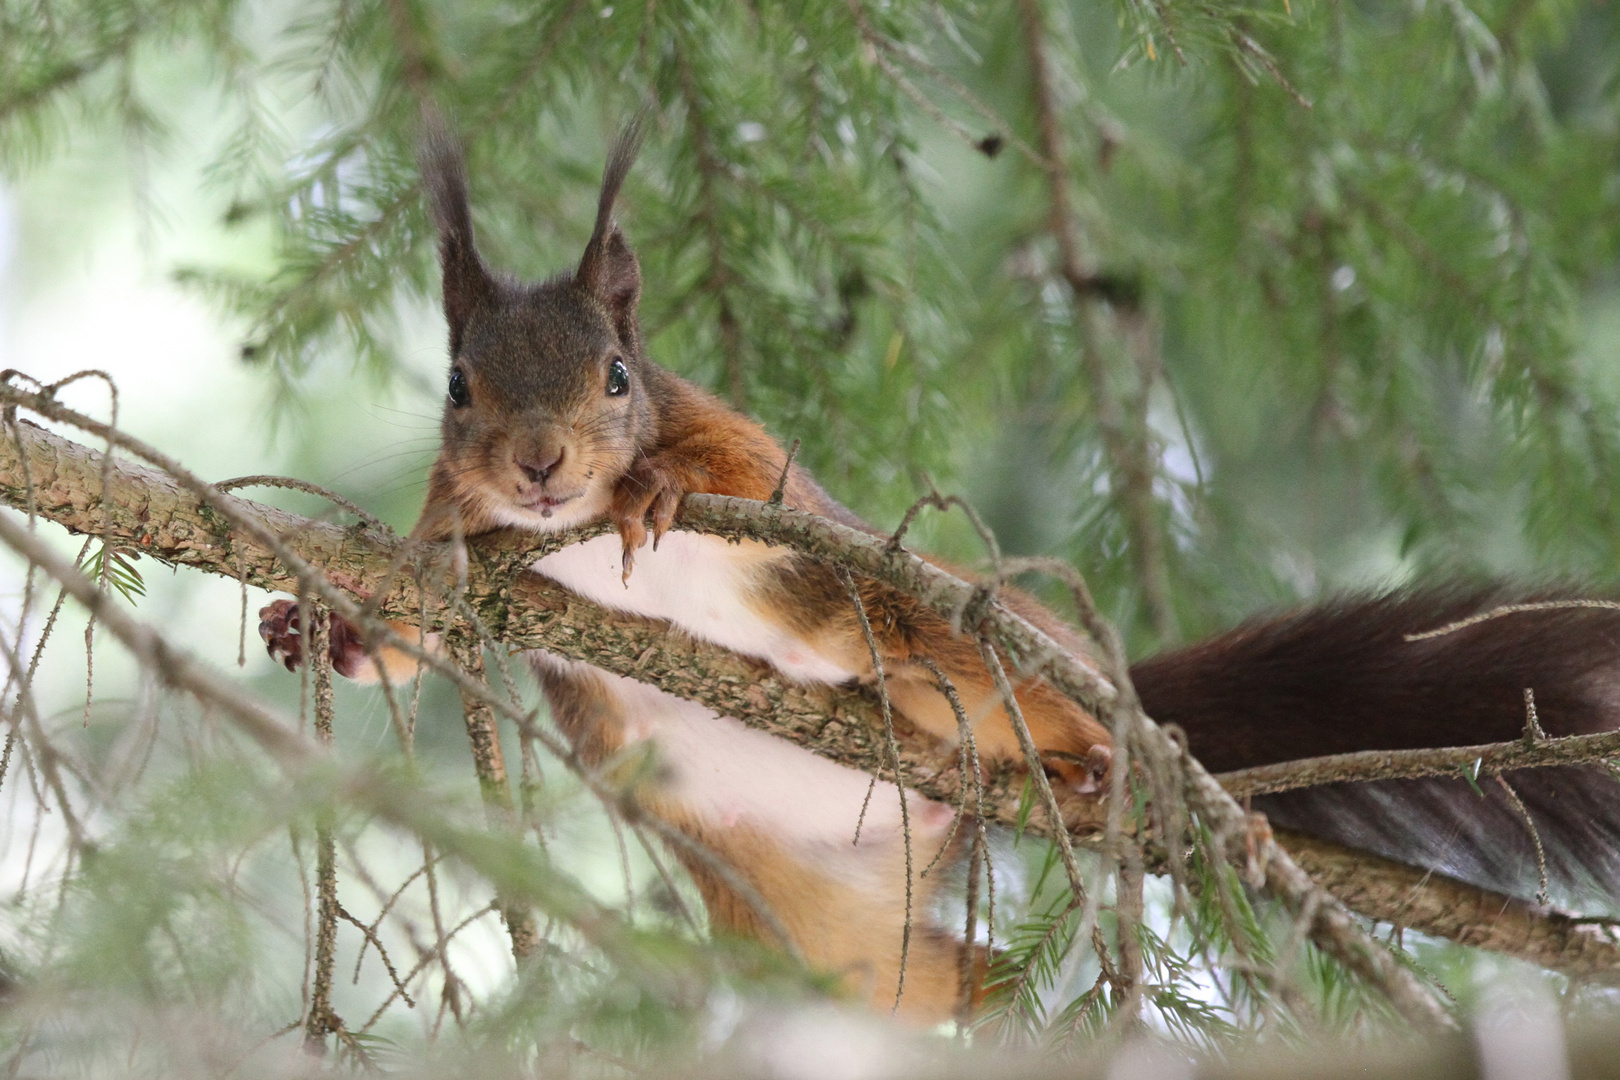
(1226, 304)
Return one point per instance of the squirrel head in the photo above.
(547, 395)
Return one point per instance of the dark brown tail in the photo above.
(1344, 677)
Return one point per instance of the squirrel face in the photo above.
(547, 396)
(546, 405)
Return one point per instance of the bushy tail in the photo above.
(1345, 676)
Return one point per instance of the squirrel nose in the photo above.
(539, 466)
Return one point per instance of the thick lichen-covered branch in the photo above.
(1394, 893)
(149, 513)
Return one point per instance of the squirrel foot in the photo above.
(647, 487)
(1083, 775)
(284, 641)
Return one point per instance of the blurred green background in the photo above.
(1361, 326)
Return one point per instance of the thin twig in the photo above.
(490, 765)
(1533, 731)
(321, 1021)
(387, 906)
(372, 938)
(787, 467)
(894, 752)
(294, 484)
(1535, 836)
(429, 956)
(1513, 609)
(1037, 772)
(1411, 764)
(967, 759)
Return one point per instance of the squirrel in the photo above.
(555, 417)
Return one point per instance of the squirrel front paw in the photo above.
(279, 627)
(647, 487)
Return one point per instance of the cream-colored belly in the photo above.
(730, 775)
(699, 583)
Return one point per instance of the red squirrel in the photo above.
(555, 417)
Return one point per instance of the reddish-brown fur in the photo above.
(850, 932)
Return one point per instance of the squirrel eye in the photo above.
(618, 379)
(460, 396)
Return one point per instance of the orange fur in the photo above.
(851, 929)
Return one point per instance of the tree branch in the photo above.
(1394, 893)
(1122, 418)
(149, 513)
(1484, 759)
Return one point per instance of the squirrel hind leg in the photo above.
(850, 925)
(1074, 748)
(1084, 774)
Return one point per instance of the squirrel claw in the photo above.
(1099, 762)
(1086, 775)
(648, 489)
(633, 533)
(278, 626)
(664, 505)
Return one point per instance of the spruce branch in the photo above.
(1408, 764)
(1121, 416)
(1434, 904)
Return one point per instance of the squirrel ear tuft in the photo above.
(468, 286)
(608, 269)
(616, 281)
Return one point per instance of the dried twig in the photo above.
(899, 781)
(1513, 609)
(320, 1020)
(787, 468)
(490, 764)
(294, 484)
(1037, 772)
(1535, 837)
(371, 938)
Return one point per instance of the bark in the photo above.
(1482, 760)
(1398, 894)
(148, 513)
